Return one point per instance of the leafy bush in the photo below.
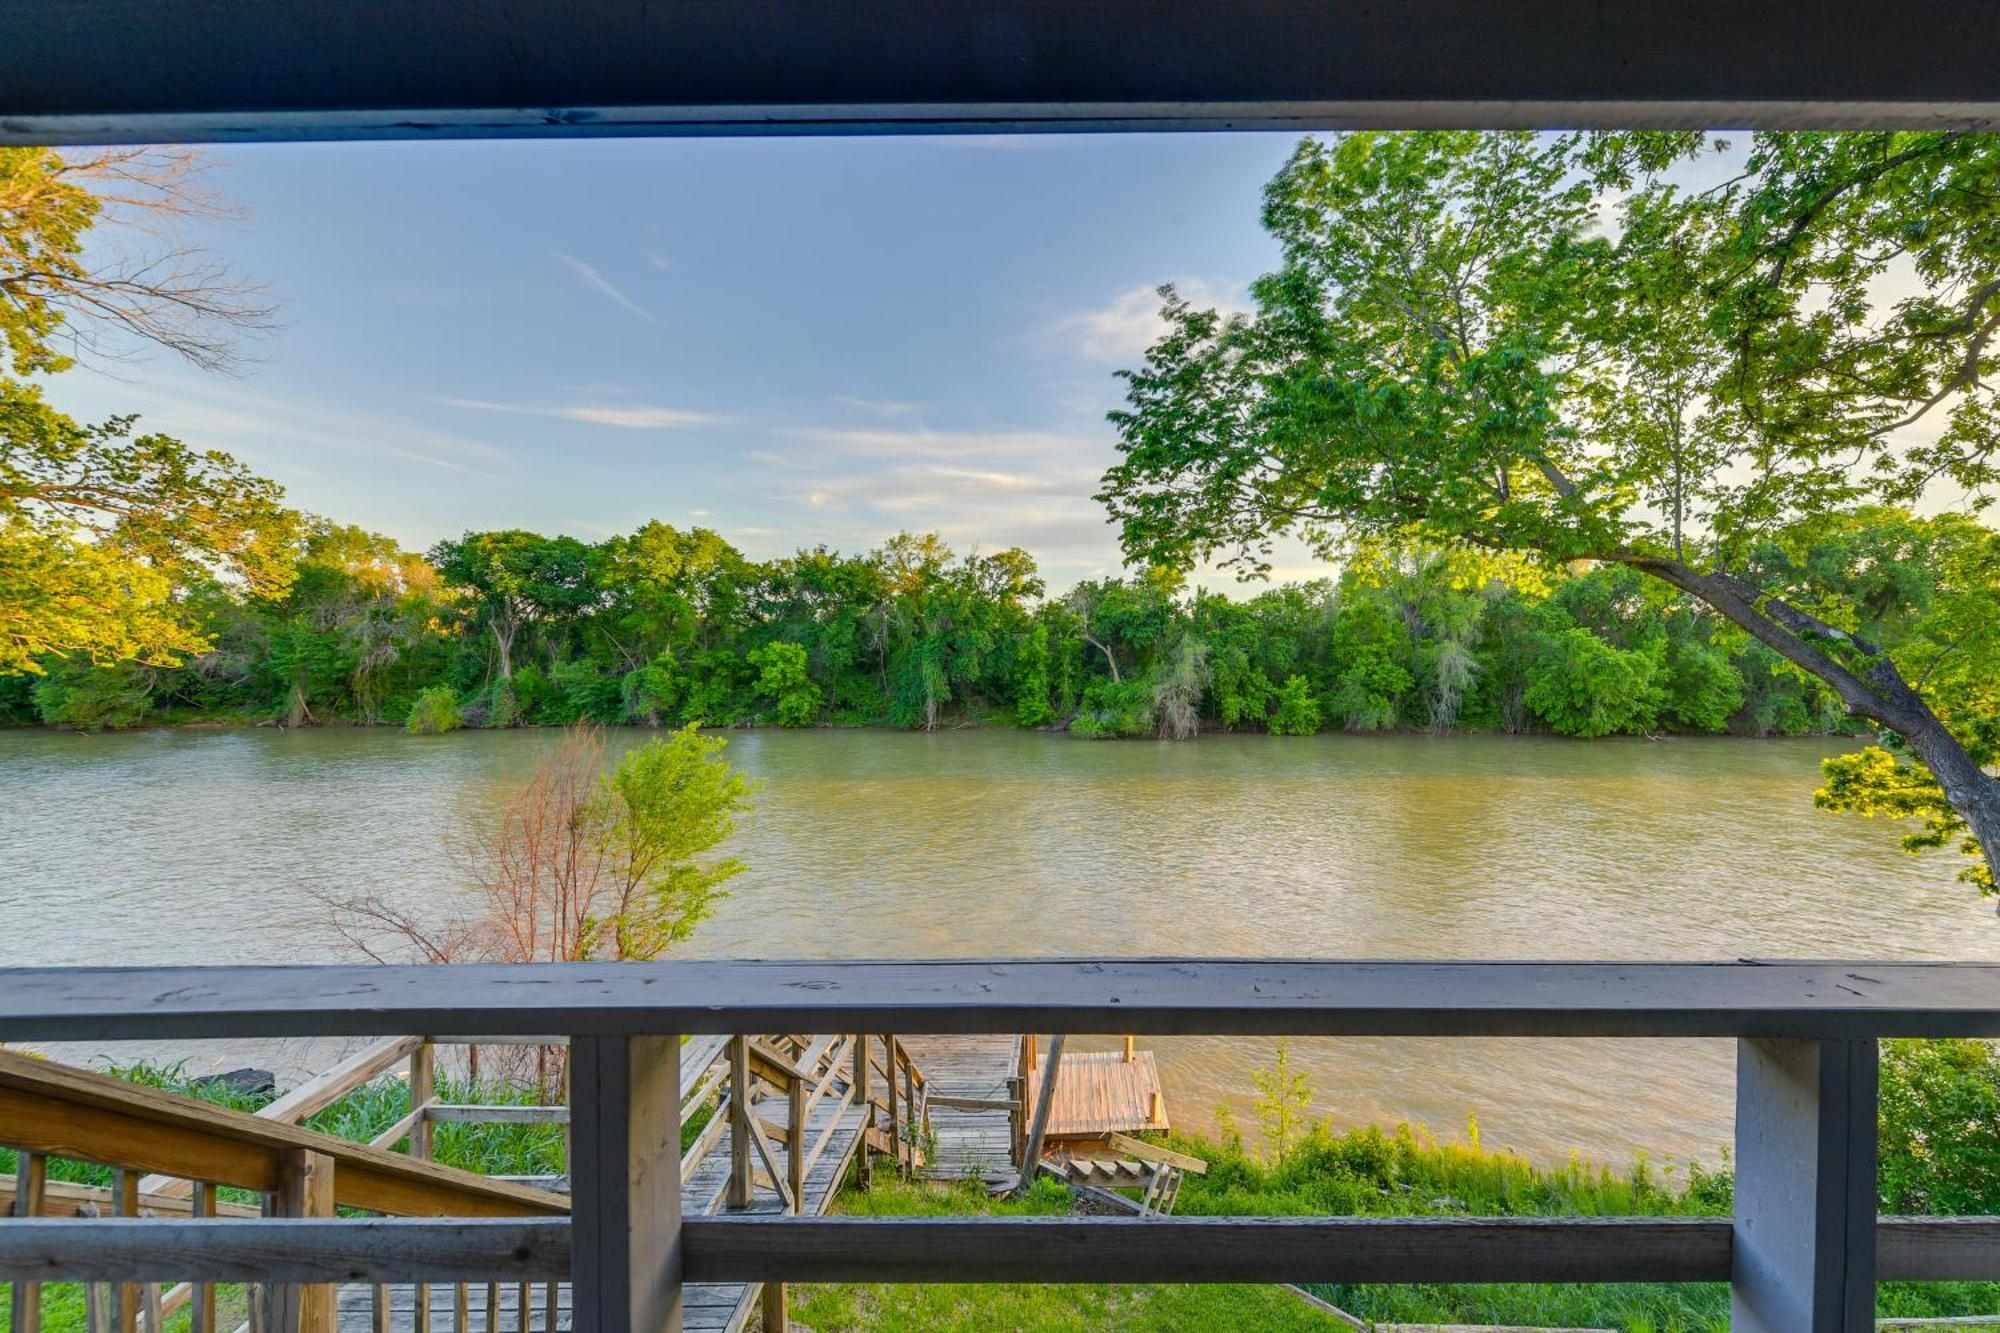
(83, 697)
(1298, 709)
(1115, 708)
(434, 713)
(1940, 1142)
(782, 674)
(1585, 687)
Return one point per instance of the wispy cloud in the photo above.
(658, 260)
(603, 286)
(636, 417)
(876, 407)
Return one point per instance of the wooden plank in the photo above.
(495, 1114)
(721, 1250)
(305, 1189)
(1804, 1255)
(1818, 1000)
(213, 70)
(310, 1098)
(52, 1108)
(1938, 1249)
(1031, 1155)
(1205, 1249)
(625, 1180)
(1153, 1152)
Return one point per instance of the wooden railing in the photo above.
(48, 1110)
(1802, 1251)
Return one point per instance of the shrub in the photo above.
(1585, 687)
(1298, 709)
(91, 698)
(1940, 1138)
(434, 712)
(783, 676)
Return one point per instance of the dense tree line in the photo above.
(669, 626)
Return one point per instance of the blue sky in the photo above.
(790, 340)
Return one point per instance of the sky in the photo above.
(792, 341)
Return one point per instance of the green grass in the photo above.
(1025, 1307)
(1407, 1172)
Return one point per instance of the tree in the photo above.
(99, 528)
(582, 864)
(519, 578)
(1454, 348)
(781, 674)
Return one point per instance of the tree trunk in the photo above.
(1877, 691)
(1106, 650)
(504, 640)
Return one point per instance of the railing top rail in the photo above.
(1155, 996)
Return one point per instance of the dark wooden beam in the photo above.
(96, 71)
(973, 1249)
(1269, 997)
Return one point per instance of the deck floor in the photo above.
(710, 1307)
(1101, 1092)
(971, 1145)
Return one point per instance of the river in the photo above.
(221, 846)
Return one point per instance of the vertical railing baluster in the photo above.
(461, 1307)
(795, 1146)
(889, 1083)
(125, 1295)
(911, 1110)
(523, 1302)
(31, 1180)
(493, 1307)
(739, 1124)
(201, 1295)
(423, 1089)
(553, 1310)
(864, 1173)
(625, 1200)
(1803, 1255)
(305, 1189)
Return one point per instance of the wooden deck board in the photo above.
(971, 1145)
(1101, 1092)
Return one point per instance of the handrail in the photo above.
(60, 1111)
(1795, 1251)
(1821, 1000)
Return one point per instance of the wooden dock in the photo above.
(969, 1142)
(1102, 1092)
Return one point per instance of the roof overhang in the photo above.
(104, 71)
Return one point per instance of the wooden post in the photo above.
(305, 1189)
(1131, 1047)
(125, 1203)
(739, 1121)
(1803, 1259)
(795, 1144)
(1028, 1053)
(423, 1090)
(625, 1186)
(201, 1296)
(895, 1122)
(31, 1178)
(775, 1308)
(863, 1172)
(1031, 1154)
(910, 1105)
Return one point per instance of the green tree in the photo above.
(782, 675)
(99, 529)
(1297, 713)
(1585, 687)
(1454, 347)
(518, 579)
